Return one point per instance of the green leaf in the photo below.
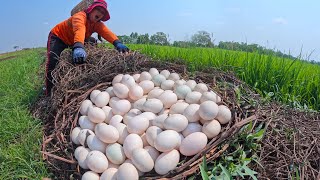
(203, 172)
(225, 172)
(249, 172)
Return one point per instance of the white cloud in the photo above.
(184, 14)
(280, 20)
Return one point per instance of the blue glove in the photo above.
(79, 55)
(120, 47)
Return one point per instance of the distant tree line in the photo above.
(200, 39)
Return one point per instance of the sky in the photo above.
(286, 25)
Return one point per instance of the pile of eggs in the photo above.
(145, 122)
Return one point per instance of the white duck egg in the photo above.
(192, 113)
(115, 120)
(97, 161)
(109, 174)
(168, 98)
(224, 114)
(132, 141)
(145, 76)
(123, 132)
(96, 115)
(127, 171)
(121, 90)
(154, 153)
(201, 87)
(193, 144)
(121, 107)
(85, 123)
(174, 76)
(167, 85)
(94, 94)
(153, 72)
(142, 160)
(117, 79)
(94, 143)
(138, 124)
(102, 99)
(128, 80)
(178, 108)
(158, 79)
(74, 135)
(159, 120)
(135, 92)
(139, 103)
(153, 105)
(165, 73)
(182, 91)
(147, 86)
(209, 96)
(191, 128)
(167, 161)
(167, 140)
(193, 97)
(152, 133)
(208, 110)
(82, 136)
(109, 114)
(90, 175)
(191, 84)
(176, 122)
(106, 133)
(211, 129)
(115, 153)
(155, 93)
(109, 90)
(84, 107)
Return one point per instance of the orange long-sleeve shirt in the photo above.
(78, 27)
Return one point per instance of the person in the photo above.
(74, 32)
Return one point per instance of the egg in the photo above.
(96, 115)
(115, 153)
(84, 107)
(109, 90)
(155, 93)
(149, 115)
(115, 120)
(201, 87)
(74, 135)
(168, 98)
(78, 150)
(159, 120)
(135, 92)
(139, 103)
(211, 129)
(94, 94)
(209, 96)
(191, 128)
(132, 142)
(153, 152)
(85, 123)
(224, 114)
(165, 73)
(152, 133)
(132, 113)
(90, 175)
(102, 99)
(121, 90)
(140, 173)
(136, 77)
(117, 79)
(167, 140)
(153, 105)
(138, 124)
(193, 144)
(145, 76)
(193, 97)
(153, 72)
(82, 136)
(142, 160)
(166, 162)
(113, 101)
(192, 113)
(178, 108)
(176, 122)
(182, 91)
(109, 174)
(106, 133)
(191, 84)
(123, 132)
(121, 107)
(144, 140)
(158, 79)
(208, 110)
(147, 86)
(167, 85)
(82, 155)
(127, 172)
(174, 76)
(97, 161)
(94, 143)
(108, 112)
(128, 80)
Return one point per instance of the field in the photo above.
(291, 82)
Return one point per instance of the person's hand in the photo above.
(79, 55)
(120, 47)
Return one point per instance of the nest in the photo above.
(74, 83)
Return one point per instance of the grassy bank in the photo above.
(20, 134)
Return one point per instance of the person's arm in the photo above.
(108, 35)
(79, 30)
